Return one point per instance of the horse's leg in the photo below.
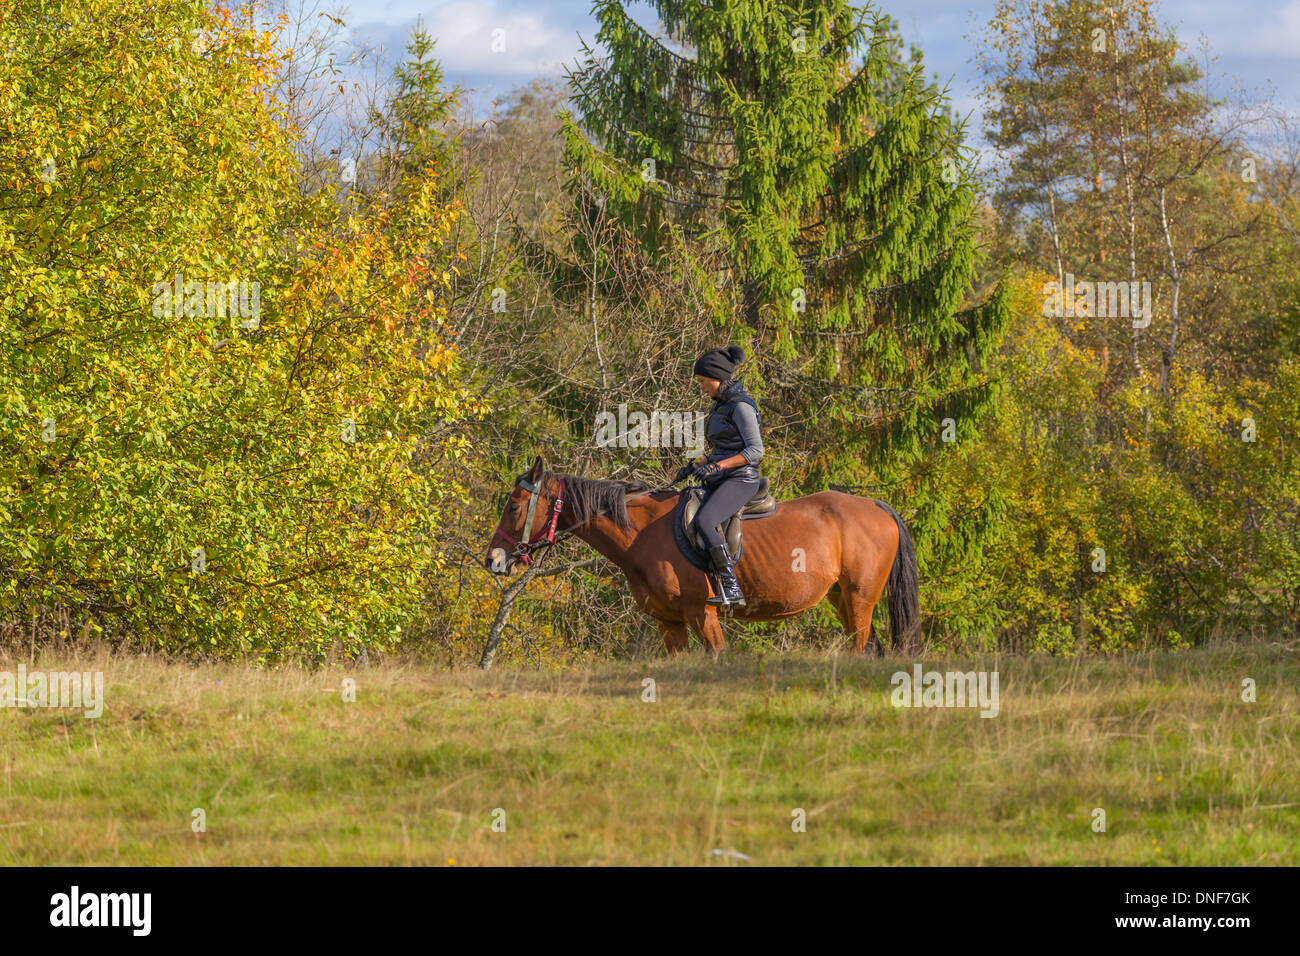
(858, 606)
(865, 628)
(675, 636)
(836, 597)
(707, 626)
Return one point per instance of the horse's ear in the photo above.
(536, 471)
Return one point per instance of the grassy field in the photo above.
(587, 772)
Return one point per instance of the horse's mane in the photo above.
(592, 497)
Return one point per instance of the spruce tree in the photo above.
(414, 120)
(822, 183)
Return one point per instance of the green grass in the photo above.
(588, 773)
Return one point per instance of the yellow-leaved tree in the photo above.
(219, 396)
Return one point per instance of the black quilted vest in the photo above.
(723, 436)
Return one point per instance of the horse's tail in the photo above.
(904, 591)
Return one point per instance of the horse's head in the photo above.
(528, 520)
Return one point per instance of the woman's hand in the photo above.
(692, 467)
(705, 469)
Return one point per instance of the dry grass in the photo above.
(586, 772)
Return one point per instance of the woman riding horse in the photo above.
(728, 471)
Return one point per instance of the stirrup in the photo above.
(729, 593)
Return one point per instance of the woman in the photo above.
(728, 472)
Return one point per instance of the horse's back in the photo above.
(836, 502)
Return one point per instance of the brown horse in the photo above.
(826, 545)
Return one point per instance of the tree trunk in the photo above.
(508, 596)
(1170, 350)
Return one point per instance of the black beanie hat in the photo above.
(719, 363)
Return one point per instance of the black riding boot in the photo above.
(724, 568)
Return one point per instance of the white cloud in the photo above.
(1281, 37)
(532, 43)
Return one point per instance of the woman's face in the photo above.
(709, 386)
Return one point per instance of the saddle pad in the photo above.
(696, 557)
(689, 552)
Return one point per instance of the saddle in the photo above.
(760, 505)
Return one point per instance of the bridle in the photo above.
(544, 538)
(547, 536)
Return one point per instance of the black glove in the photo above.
(705, 469)
(682, 472)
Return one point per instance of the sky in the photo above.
(1257, 44)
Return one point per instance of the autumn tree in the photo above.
(1117, 166)
(210, 413)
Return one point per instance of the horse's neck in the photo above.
(603, 534)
